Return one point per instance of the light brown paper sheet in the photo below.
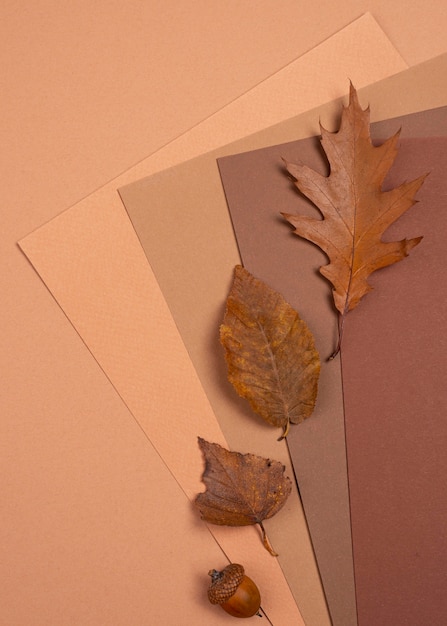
(306, 578)
(257, 190)
(202, 228)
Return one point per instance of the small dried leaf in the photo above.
(270, 352)
(241, 489)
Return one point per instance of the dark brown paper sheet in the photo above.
(257, 189)
(394, 363)
(181, 218)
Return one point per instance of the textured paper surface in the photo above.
(257, 190)
(87, 100)
(361, 51)
(196, 187)
(93, 95)
(394, 361)
(299, 559)
(308, 81)
(107, 85)
(99, 259)
(84, 101)
(97, 473)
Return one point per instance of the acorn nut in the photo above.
(236, 593)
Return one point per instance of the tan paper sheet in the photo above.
(302, 571)
(195, 186)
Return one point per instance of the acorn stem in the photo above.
(215, 575)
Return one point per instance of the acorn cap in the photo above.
(224, 584)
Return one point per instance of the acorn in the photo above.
(236, 593)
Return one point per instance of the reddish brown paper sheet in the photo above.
(394, 363)
(257, 189)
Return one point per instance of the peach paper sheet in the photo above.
(307, 586)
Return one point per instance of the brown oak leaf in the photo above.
(356, 212)
(241, 489)
(270, 352)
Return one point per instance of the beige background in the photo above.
(88, 91)
(113, 300)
